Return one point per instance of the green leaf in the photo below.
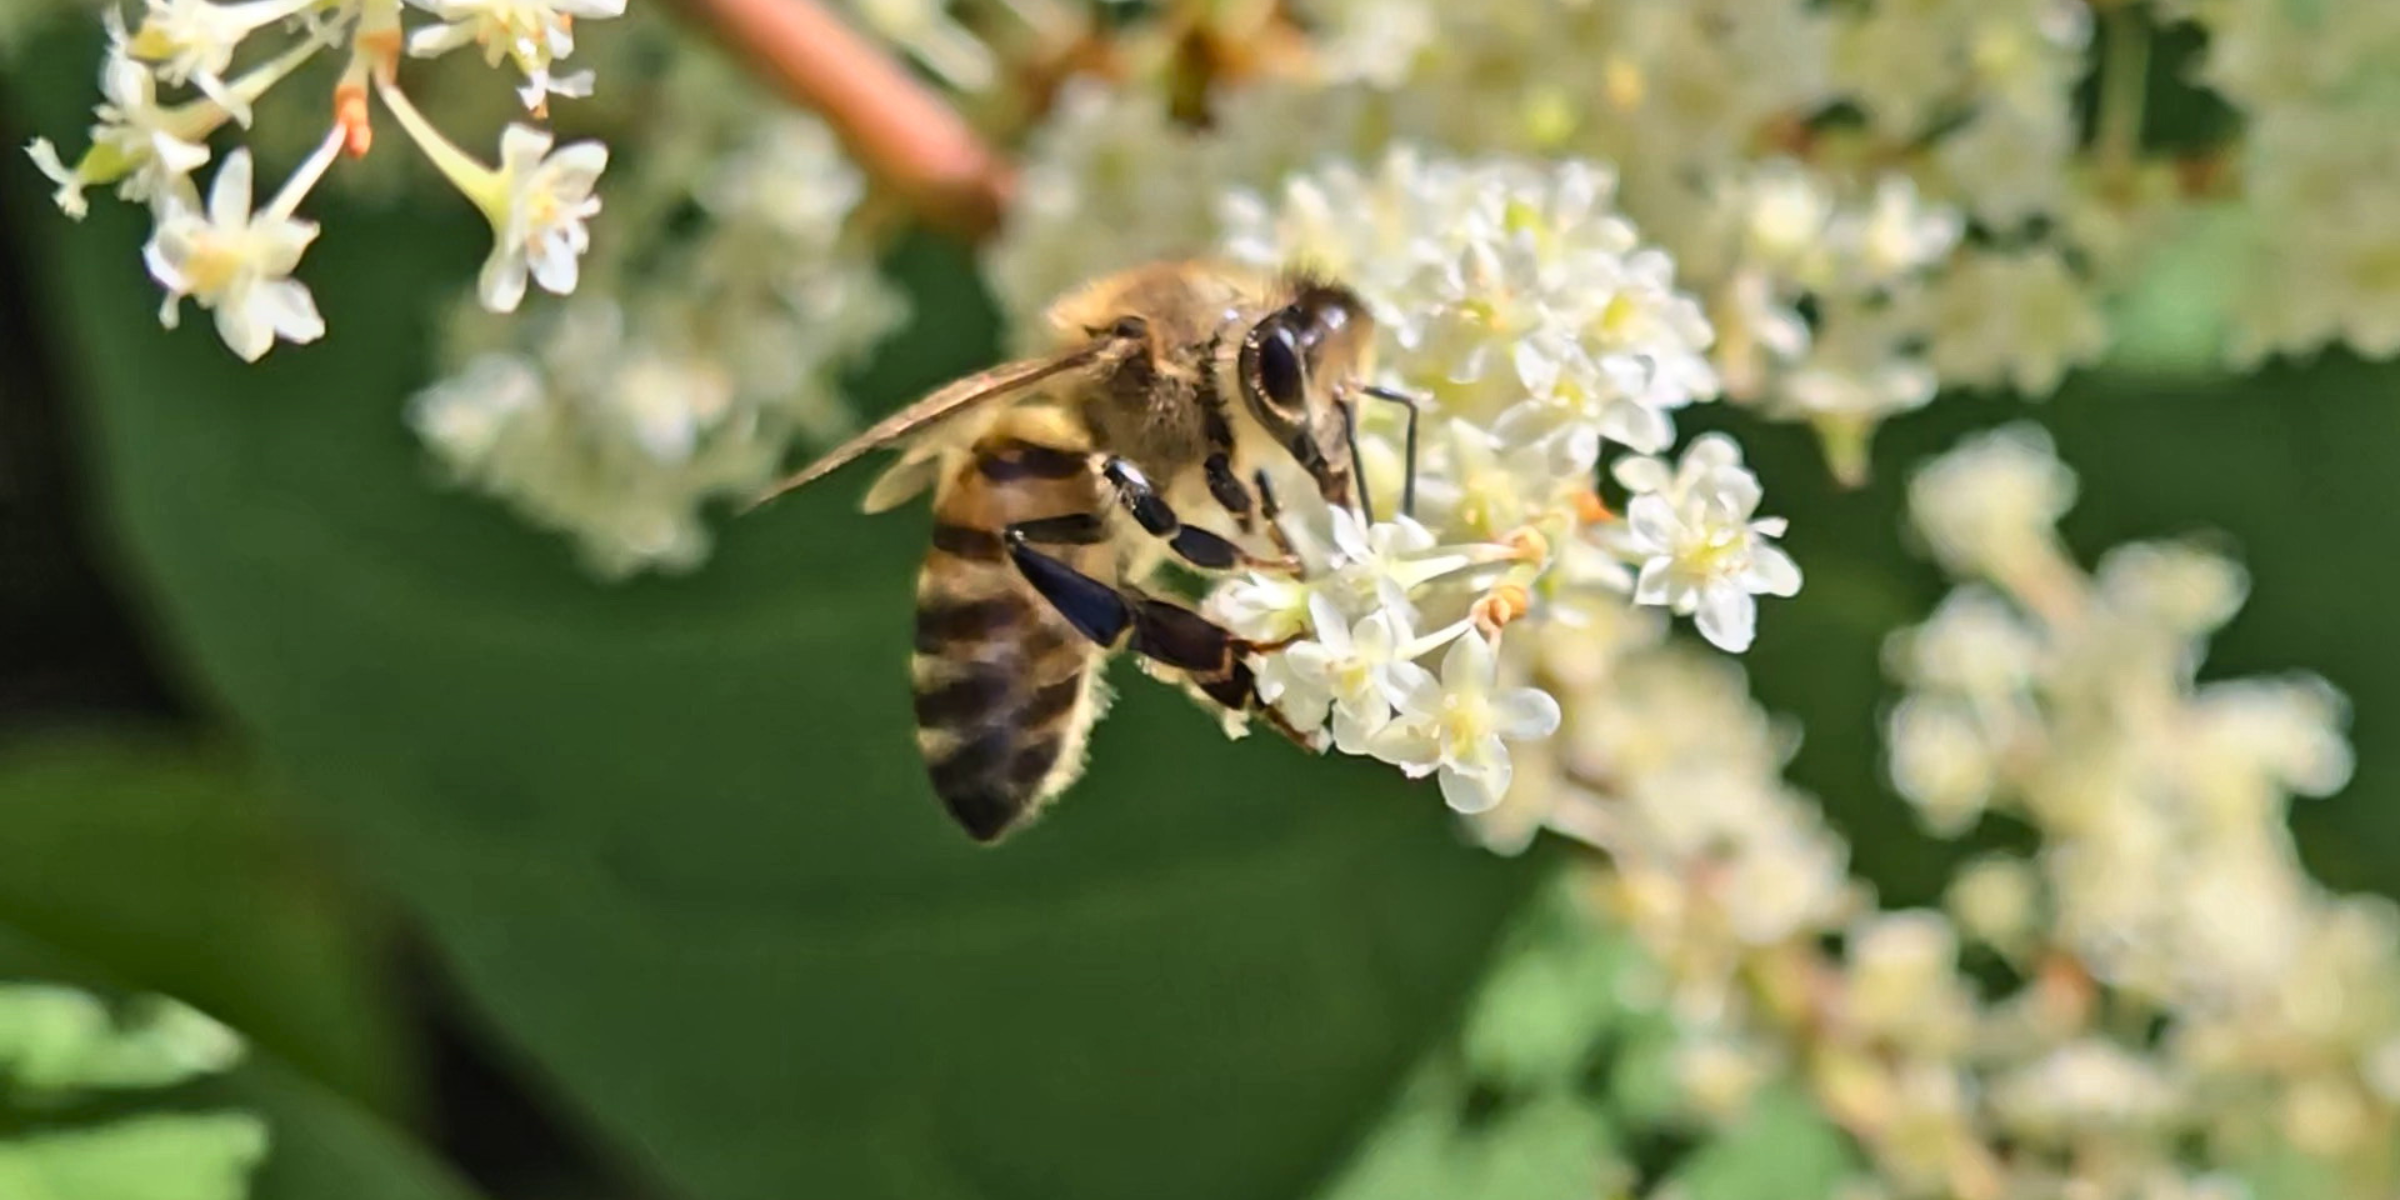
(169, 869)
(1782, 1150)
(2173, 323)
(673, 837)
(159, 1156)
(1503, 1112)
(57, 1039)
(1548, 1146)
(316, 1143)
(1552, 997)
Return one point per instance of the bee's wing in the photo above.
(981, 388)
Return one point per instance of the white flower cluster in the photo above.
(1538, 332)
(2319, 168)
(239, 262)
(2178, 996)
(1868, 200)
(617, 418)
(2166, 874)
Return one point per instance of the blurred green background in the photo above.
(525, 886)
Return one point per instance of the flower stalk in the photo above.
(907, 137)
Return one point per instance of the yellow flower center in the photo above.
(215, 260)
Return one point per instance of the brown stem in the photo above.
(904, 134)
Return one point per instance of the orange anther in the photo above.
(1501, 605)
(1591, 509)
(350, 113)
(1527, 544)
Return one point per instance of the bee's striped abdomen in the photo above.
(1006, 689)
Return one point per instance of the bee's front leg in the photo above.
(1190, 543)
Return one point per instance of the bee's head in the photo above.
(1295, 364)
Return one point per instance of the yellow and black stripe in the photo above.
(1006, 689)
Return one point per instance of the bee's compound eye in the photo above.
(1129, 328)
(1279, 366)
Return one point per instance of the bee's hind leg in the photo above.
(1164, 632)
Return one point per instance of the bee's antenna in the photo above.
(1408, 478)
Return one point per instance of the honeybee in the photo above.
(1173, 391)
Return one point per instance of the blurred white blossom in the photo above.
(618, 417)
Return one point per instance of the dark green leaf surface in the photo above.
(673, 836)
(164, 866)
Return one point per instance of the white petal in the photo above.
(501, 285)
(1475, 791)
(1728, 617)
(229, 196)
(1410, 688)
(1652, 522)
(1642, 474)
(1713, 450)
(1525, 713)
(521, 149)
(1655, 584)
(556, 268)
(433, 40)
(1469, 665)
(287, 305)
(45, 159)
(1350, 536)
(1733, 489)
(1408, 746)
(1354, 733)
(245, 330)
(1331, 627)
(1637, 426)
(572, 171)
(1772, 572)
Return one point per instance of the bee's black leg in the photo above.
(1168, 633)
(1190, 543)
(1228, 489)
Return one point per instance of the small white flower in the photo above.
(2016, 319)
(1975, 646)
(1361, 671)
(1699, 549)
(1784, 215)
(1994, 498)
(236, 262)
(1943, 762)
(1899, 234)
(539, 228)
(1262, 606)
(1387, 562)
(533, 34)
(1459, 724)
(193, 41)
(466, 419)
(2183, 588)
(150, 150)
